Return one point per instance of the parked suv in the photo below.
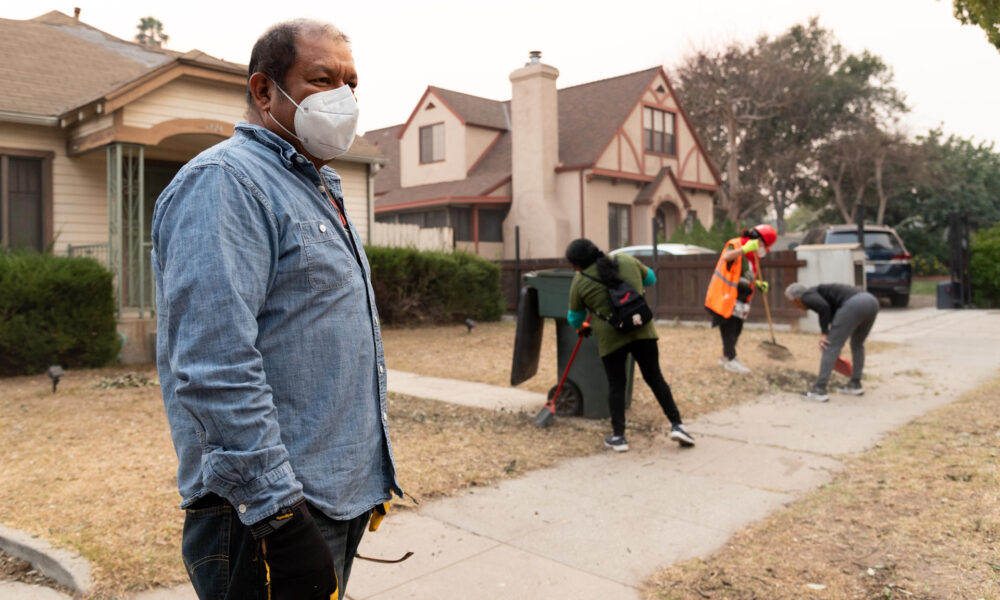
(887, 263)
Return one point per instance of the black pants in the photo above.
(730, 329)
(647, 355)
(221, 558)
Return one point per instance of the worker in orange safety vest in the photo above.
(730, 289)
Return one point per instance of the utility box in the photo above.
(946, 295)
(585, 391)
(829, 263)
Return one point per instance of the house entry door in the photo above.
(128, 238)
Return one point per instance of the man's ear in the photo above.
(261, 90)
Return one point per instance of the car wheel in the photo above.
(899, 300)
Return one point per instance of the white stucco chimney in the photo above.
(534, 116)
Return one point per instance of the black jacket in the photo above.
(825, 299)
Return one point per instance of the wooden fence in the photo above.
(681, 283)
(402, 235)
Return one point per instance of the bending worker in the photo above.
(843, 311)
(730, 289)
(589, 291)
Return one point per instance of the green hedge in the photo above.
(713, 239)
(414, 287)
(54, 310)
(985, 267)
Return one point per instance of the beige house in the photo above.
(599, 160)
(92, 128)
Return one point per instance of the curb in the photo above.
(67, 568)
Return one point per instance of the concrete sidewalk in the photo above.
(597, 527)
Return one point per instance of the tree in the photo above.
(984, 13)
(151, 32)
(766, 111)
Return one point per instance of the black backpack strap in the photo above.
(600, 281)
(602, 317)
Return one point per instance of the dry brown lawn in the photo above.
(92, 468)
(917, 518)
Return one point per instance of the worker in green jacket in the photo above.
(614, 346)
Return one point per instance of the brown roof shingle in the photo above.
(54, 63)
(475, 110)
(589, 115)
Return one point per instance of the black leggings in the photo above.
(730, 329)
(647, 355)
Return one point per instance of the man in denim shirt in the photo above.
(268, 342)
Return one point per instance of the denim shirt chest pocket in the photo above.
(328, 260)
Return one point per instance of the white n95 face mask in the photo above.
(325, 121)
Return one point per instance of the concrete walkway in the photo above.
(597, 527)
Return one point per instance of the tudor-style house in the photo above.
(599, 160)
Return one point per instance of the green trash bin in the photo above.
(586, 389)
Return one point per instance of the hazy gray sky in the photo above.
(949, 73)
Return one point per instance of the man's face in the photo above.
(321, 64)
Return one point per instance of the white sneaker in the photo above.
(734, 366)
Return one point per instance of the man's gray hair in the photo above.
(795, 290)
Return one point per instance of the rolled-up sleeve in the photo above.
(216, 244)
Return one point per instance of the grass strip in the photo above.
(917, 518)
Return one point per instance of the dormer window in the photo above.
(658, 127)
(432, 143)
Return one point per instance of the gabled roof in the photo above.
(54, 63)
(491, 172)
(474, 110)
(387, 142)
(591, 113)
(589, 116)
(647, 195)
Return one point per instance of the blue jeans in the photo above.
(221, 558)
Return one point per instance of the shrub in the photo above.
(927, 265)
(413, 286)
(54, 310)
(985, 267)
(714, 238)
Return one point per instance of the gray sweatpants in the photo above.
(855, 319)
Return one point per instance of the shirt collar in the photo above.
(285, 151)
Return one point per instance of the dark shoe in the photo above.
(816, 395)
(616, 443)
(853, 388)
(681, 436)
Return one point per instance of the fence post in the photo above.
(656, 256)
(517, 260)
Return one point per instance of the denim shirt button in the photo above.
(380, 369)
(300, 159)
(385, 416)
(242, 508)
(322, 228)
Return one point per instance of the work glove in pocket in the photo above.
(298, 561)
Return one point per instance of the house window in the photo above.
(658, 126)
(22, 202)
(619, 225)
(491, 225)
(432, 143)
(461, 222)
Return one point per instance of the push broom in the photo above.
(544, 417)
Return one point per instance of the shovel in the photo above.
(773, 348)
(544, 417)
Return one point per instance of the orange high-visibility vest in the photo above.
(721, 296)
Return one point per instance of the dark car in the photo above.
(887, 263)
